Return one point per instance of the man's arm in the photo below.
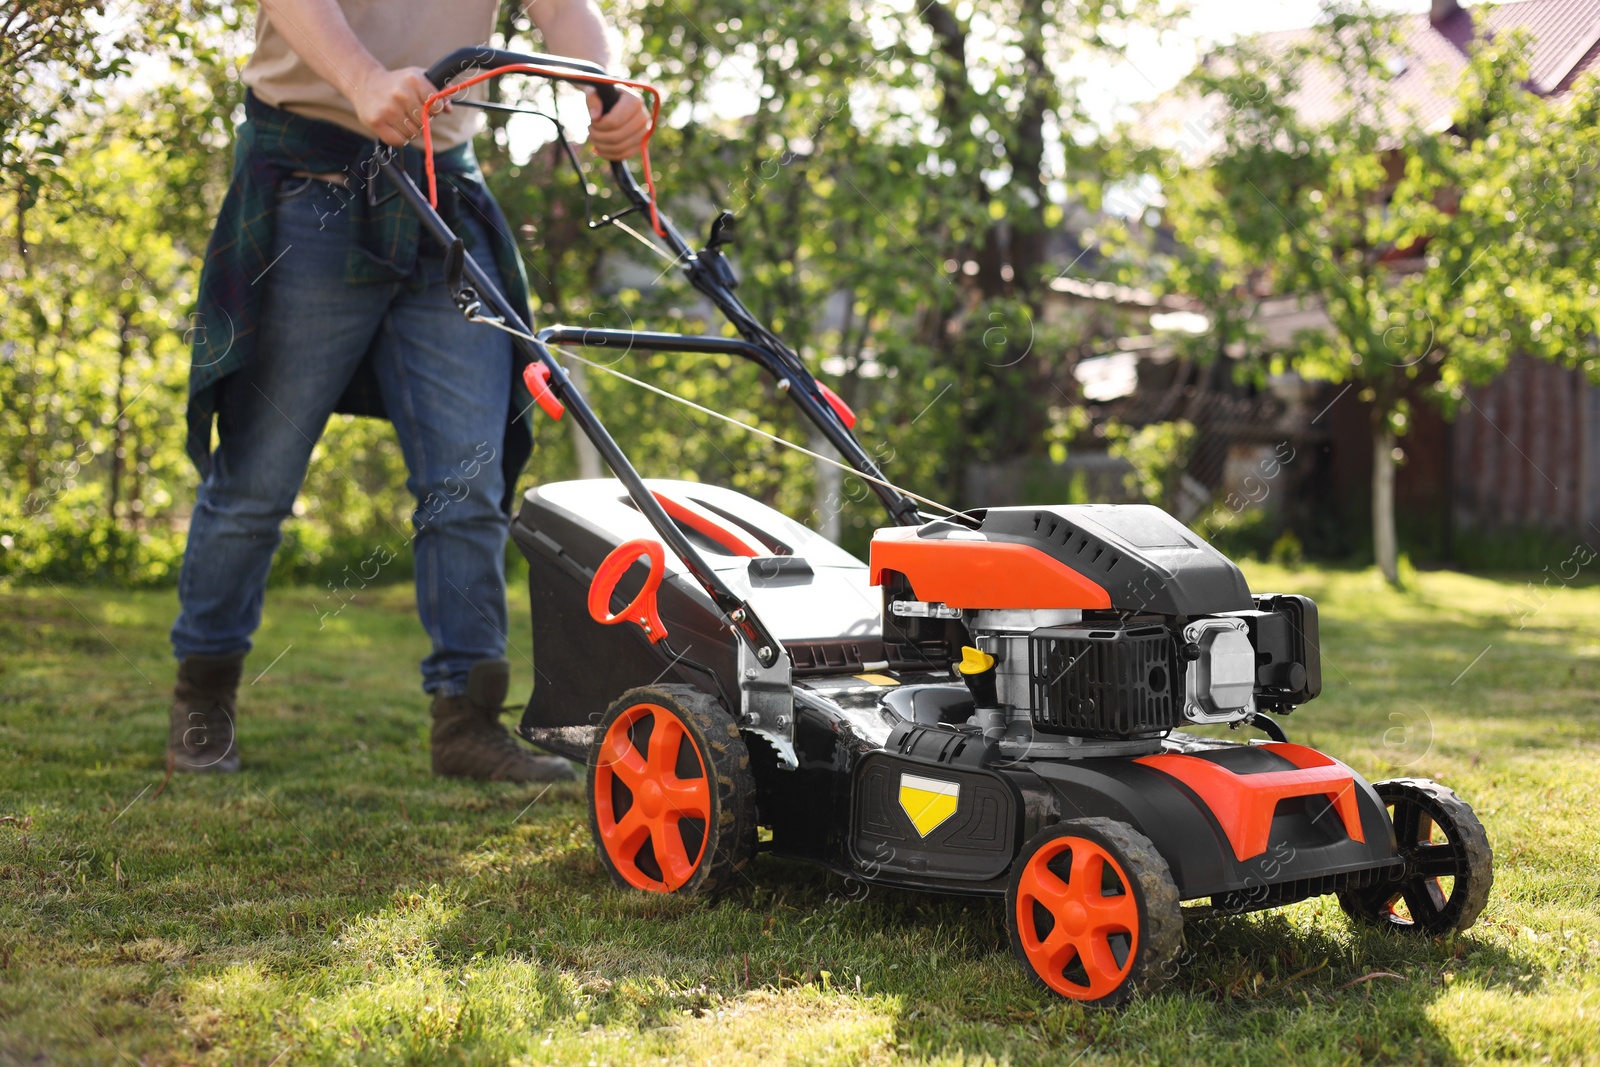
(575, 28)
(389, 102)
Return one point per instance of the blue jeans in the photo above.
(446, 384)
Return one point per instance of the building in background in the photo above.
(1521, 458)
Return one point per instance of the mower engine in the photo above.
(1094, 629)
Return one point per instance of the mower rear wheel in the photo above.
(1449, 864)
(671, 795)
(1093, 913)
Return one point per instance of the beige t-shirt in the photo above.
(398, 33)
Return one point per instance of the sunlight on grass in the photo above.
(334, 903)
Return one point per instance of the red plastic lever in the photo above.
(840, 408)
(703, 521)
(536, 376)
(642, 608)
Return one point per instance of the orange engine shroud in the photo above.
(982, 574)
(1245, 803)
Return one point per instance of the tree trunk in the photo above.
(22, 222)
(30, 451)
(1383, 536)
(119, 427)
(136, 472)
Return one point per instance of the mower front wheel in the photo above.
(1449, 866)
(672, 800)
(1093, 912)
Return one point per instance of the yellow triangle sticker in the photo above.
(928, 802)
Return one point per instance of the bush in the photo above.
(1158, 453)
(1253, 533)
(94, 552)
(1527, 549)
(99, 551)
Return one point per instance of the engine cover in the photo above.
(1220, 683)
(1125, 557)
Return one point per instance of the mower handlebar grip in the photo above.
(485, 58)
(642, 609)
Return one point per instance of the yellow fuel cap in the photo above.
(974, 660)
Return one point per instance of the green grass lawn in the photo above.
(334, 903)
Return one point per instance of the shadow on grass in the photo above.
(1253, 985)
(335, 893)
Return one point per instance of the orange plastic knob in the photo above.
(642, 608)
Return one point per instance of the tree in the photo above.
(46, 50)
(896, 173)
(1435, 255)
(1007, 79)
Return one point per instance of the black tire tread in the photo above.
(1367, 906)
(731, 843)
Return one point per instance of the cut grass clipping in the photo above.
(335, 904)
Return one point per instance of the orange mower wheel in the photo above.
(671, 794)
(1093, 912)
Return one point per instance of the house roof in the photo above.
(1431, 58)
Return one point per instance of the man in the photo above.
(320, 294)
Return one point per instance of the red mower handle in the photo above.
(642, 608)
(485, 58)
(556, 68)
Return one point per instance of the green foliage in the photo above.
(1287, 550)
(49, 52)
(93, 379)
(98, 269)
(1239, 534)
(1436, 254)
(83, 548)
(895, 174)
(1158, 453)
(872, 245)
(1255, 534)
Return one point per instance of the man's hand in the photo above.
(616, 134)
(575, 28)
(389, 102)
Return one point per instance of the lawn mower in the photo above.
(995, 704)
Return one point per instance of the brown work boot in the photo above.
(200, 732)
(469, 742)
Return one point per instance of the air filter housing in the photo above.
(1104, 681)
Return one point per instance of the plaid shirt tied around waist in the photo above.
(385, 240)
